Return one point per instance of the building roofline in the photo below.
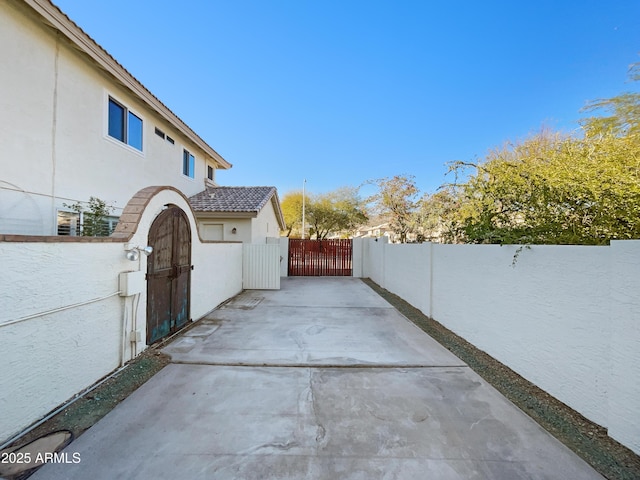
(58, 20)
(275, 200)
(270, 196)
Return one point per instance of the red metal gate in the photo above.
(320, 257)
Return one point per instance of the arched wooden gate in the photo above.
(168, 274)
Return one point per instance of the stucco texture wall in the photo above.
(55, 126)
(567, 318)
(265, 225)
(49, 357)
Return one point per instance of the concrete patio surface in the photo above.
(321, 380)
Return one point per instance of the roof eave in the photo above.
(59, 21)
(275, 201)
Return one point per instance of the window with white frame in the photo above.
(210, 173)
(68, 223)
(124, 125)
(188, 164)
(72, 224)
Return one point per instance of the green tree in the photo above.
(292, 211)
(622, 112)
(341, 210)
(396, 200)
(94, 214)
(554, 189)
(436, 216)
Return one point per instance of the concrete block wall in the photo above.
(624, 367)
(567, 318)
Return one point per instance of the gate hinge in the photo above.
(192, 267)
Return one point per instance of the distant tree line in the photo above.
(339, 212)
(550, 188)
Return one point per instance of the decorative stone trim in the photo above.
(132, 213)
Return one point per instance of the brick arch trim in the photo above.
(133, 211)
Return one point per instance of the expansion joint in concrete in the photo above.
(318, 366)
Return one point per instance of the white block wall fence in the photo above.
(64, 324)
(566, 318)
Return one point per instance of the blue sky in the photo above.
(342, 91)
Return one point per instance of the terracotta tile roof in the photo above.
(232, 199)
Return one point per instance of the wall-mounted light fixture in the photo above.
(234, 230)
(133, 252)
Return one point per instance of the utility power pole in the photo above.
(303, 206)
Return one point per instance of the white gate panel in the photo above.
(261, 266)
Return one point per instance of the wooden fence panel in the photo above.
(321, 257)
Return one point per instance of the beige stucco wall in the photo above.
(265, 225)
(248, 230)
(54, 148)
(225, 233)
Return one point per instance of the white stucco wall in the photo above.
(264, 225)
(405, 267)
(373, 259)
(564, 317)
(248, 230)
(50, 358)
(624, 379)
(54, 148)
(544, 317)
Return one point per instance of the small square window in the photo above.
(170, 140)
(159, 132)
(68, 223)
(188, 164)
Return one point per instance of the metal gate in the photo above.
(168, 274)
(320, 257)
(261, 266)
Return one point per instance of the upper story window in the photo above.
(210, 173)
(188, 164)
(124, 125)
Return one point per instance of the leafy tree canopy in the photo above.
(336, 211)
(333, 212)
(291, 205)
(552, 188)
(396, 200)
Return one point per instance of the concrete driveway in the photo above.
(320, 380)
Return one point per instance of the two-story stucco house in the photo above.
(75, 125)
